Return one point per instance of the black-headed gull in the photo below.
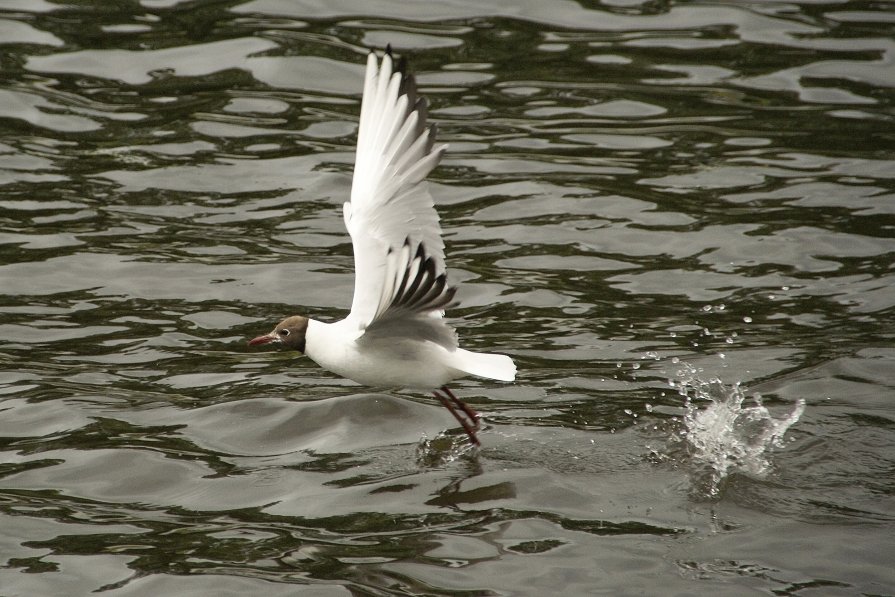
(395, 335)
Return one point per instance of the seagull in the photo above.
(395, 335)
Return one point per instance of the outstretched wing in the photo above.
(398, 251)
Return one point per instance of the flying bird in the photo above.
(395, 335)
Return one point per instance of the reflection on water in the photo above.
(628, 184)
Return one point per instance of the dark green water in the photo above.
(635, 193)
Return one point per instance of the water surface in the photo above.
(643, 204)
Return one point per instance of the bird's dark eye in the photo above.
(284, 332)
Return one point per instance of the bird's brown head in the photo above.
(289, 333)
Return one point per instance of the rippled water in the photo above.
(634, 192)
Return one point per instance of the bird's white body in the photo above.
(388, 363)
(395, 334)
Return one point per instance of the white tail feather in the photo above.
(491, 366)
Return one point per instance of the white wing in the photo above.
(398, 251)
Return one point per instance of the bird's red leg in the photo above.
(473, 416)
(470, 422)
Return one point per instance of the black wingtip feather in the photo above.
(408, 85)
(431, 298)
(402, 292)
(408, 88)
(449, 298)
(427, 269)
(426, 283)
(422, 109)
(399, 292)
(426, 291)
(430, 140)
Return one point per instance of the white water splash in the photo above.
(724, 436)
(443, 449)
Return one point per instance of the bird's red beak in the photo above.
(265, 339)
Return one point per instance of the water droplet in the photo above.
(649, 407)
(707, 308)
(747, 319)
(673, 334)
(635, 366)
(675, 360)
(729, 340)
